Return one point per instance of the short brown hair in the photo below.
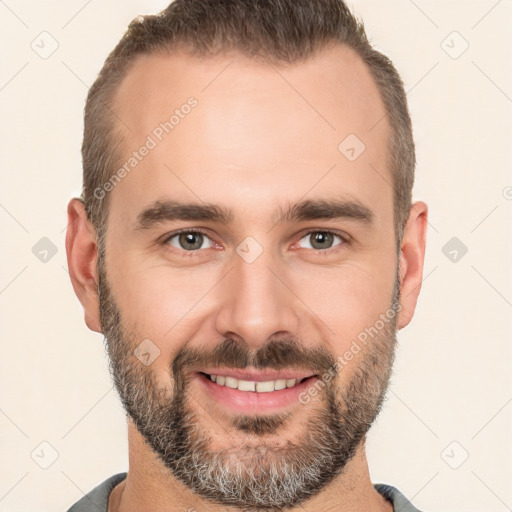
(279, 31)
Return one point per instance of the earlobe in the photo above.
(82, 256)
(412, 255)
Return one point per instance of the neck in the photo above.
(150, 487)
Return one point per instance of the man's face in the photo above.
(278, 296)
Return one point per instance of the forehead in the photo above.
(227, 127)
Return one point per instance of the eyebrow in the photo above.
(162, 211)
(324, 210)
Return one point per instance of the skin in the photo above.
(253, 143)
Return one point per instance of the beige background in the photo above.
(452, 379)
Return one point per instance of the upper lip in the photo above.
(258, 375)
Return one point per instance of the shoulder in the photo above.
(97, 499)
(399, 501)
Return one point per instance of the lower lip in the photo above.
(252, 401)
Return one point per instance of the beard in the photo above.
(258, 471)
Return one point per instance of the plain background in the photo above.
(443, 435)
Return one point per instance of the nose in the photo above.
(257, 302)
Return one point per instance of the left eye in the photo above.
(321, 239)
(189, 240)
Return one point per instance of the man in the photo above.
(247, 245)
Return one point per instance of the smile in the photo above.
(255, 386)
(243, 391)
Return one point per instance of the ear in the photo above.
(412, 256)
(82, 254)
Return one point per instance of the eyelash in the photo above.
(344, 240)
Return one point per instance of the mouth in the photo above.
(266, 386)
(251, 392)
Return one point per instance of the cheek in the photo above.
(154, 297)
(346, 300)
(163, 305)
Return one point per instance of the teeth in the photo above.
(231, 383)
(280, 384)
(247, 385)
(265, 387)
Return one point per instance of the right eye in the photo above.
(188, 240)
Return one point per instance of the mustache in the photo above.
(277, 355)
